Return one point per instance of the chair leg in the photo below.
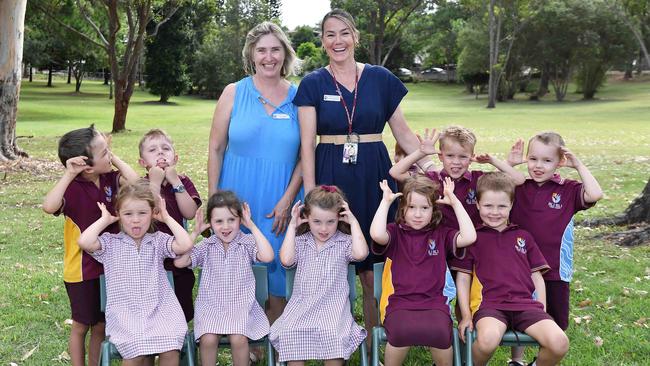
(363, 350)
(375, 346)
(270, 355)
(105, 354)
(456, 348)
(189, 358)
(469, 336)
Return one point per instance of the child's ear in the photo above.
(440, 156)
(175, 159)
(142, 163)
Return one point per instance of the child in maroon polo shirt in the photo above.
(456, 154)
(545, 205)
(413, 306)
(507, 268)
(88, 178)
(158, 157)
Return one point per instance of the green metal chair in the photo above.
(509, 339)
(261, 295)
(108, 352)
(352, 278)
(379, 333)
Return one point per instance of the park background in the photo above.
(575, 67)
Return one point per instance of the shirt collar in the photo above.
(556, 178)
(467, 175)
(483, 227)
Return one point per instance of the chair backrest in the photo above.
(102, 289)
(261, 284)
(378, 273)
(352, 277)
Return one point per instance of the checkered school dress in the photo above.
(143, 316)
(226, 301)
(316, 323)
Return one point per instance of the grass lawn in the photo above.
(611, 135)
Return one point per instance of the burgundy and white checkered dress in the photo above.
(226, 301)
(316, 323)
(143, 316)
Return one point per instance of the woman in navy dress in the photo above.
(347, 104)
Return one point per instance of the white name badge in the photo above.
(280, 116)
(331, 98)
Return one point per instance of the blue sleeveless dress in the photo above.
(259, 160)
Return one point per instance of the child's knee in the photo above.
(488, 340)
(558, 344)
(238, 340)
(209, 340)
(98, 329)
(79, 328)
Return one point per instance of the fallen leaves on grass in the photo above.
(38, 168)
(67, 322)
(580, 319)
(29, 353)
(584, 303)
(598, 341)
(64, 356)
(642, 322)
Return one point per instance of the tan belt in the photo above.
(342, 139)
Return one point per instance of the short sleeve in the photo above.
(465, 265)
(163, 243)
(250, 246)
(433, 175)
(450, 236)
(307, 94)
(388, 249)
(536, 259)
(191, 190)
(346, 244)
(199, 253)
(300, 242)
(577, 189)
(105, 241)
(395, 92)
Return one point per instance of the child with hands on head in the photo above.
(159, 158)
(545, 205)
(413, 305)
(226, 304)
(503, 270)
(322, 238)
(456, 154)
(88, 177)
(143, 317)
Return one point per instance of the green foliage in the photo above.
(304, 33)
(166, 57)
(311, 56)
(307, 49)
(473, 60)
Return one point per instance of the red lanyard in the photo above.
(354, 102)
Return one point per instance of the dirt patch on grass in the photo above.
(36, 168)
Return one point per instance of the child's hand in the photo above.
(296, 218)
(463, 324)
(347, 215)
(106, 216)
(171, 175)
(156, 176)
(483, 158)
(516, 154)
(199, 222)
(160, 212)
(389, 196)
(448, 192)
(569, 159)
(76, 165)
(428, 144)
(246, 216)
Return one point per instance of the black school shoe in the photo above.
(532, 363)
(516, 363)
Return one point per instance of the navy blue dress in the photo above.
(380, 93)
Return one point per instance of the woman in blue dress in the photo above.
(255, 141)
(347, 104)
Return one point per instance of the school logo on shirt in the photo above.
(521, 245)
(108, 191)
(471, 197)
(555, 202)
(432, 248)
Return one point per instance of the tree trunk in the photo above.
(107, 75)
(121, 108)
(31, 73)
(494, 34)
(49, 75)
(12, 25)
(69, 72)
(543, 83)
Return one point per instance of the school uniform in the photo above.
(501, 264)
(317, 323)
(80, 270)
(226, 302)
(465, 190)
(183, 277)
(143, 316)
(547, 212)
(417, 286)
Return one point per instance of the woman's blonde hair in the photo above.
(139, 190)
(254, 36)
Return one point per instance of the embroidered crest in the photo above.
(108, 192)
(432, 248)
(556, 201)
(521, 245)
(470, 199)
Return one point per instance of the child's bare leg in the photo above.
(296, 363)
(97, 335)
(442, 357)
(489, 332)
(169, 358)
(517, 354)
(137, 361)
(77, 343)
(239, 348)
(149, 361)
(553, 343)
(394, 356)
(369, 305)
(208, 347)
(334, 362)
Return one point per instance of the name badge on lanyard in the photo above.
(331, 98)
(280, 116)
(351, 147)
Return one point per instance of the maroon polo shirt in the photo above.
(80, 211)
(546, 212)
(415, 268)
(465, 190)
(502, 263)
(167, 193)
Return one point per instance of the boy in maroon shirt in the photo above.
(545, 205)
(88, 178)
(507, 268)
(158, 157)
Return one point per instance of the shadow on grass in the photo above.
(156, 103)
